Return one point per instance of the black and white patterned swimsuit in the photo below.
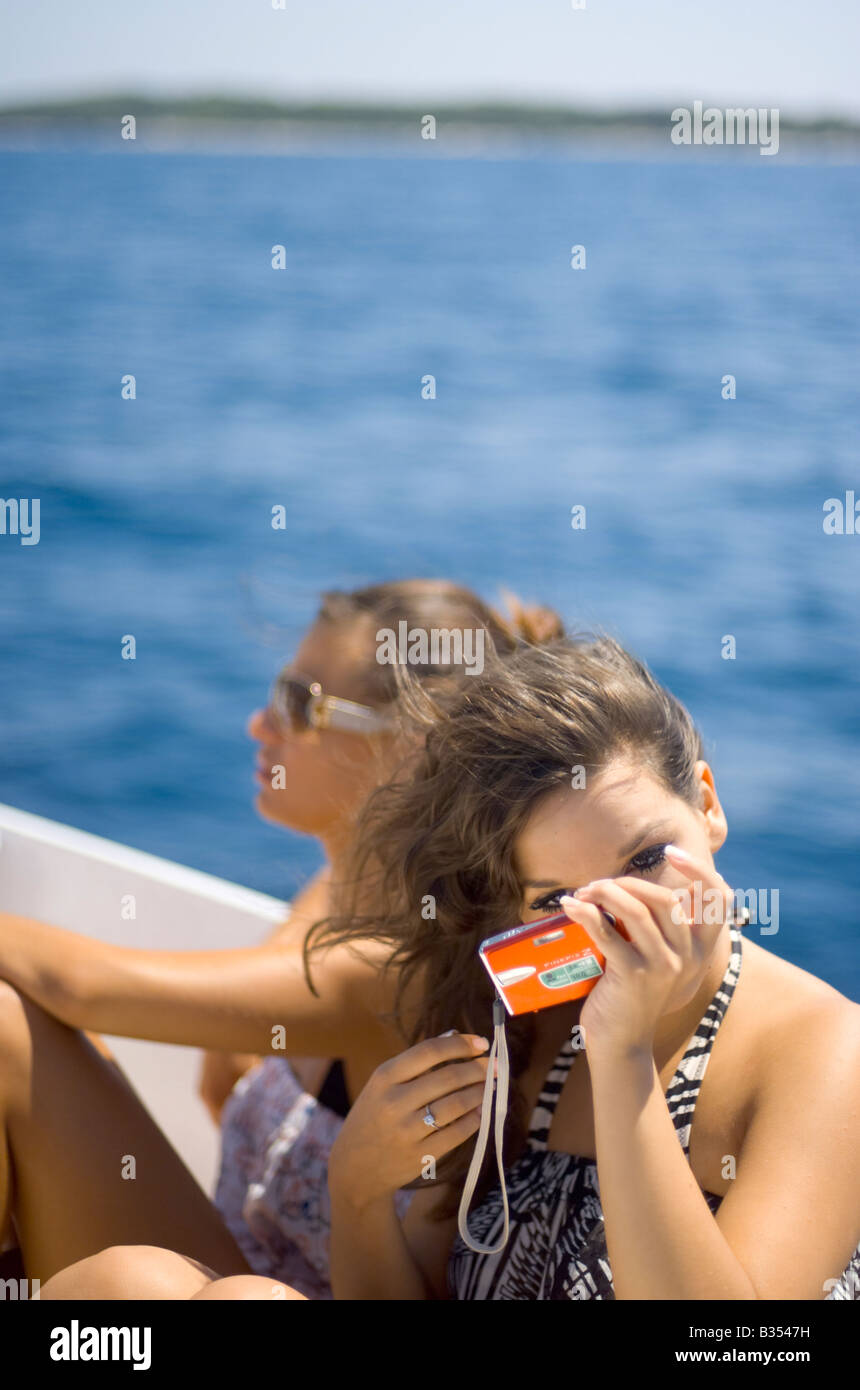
(557, 1246)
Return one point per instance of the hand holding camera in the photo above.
(663, 961)
(415, 1108)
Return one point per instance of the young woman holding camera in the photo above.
(705, 1143)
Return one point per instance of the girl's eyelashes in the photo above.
(550, 900)
(645, 862)
(649, 859)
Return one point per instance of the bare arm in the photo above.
(385, 1144)
(662, 1240)
(220, 1070)
(792, 1216)
(801, 1148)
(230, 1000)
(800, 1155)
(375, 1256)
(370, 1255)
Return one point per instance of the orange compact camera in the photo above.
(543, 963)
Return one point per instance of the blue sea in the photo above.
(555, 387)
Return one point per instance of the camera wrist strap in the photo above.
(500, 1084)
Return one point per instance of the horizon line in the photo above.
(488, 110)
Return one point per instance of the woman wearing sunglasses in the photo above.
(328, 736)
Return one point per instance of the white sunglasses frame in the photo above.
(332, 712)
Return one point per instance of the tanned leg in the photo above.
(144, 1272)
(130, 1272)
(246, 1288)
(69, 1123)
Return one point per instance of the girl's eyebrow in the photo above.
(658, 828)
(624, 854)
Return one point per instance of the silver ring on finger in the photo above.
(429, 1118)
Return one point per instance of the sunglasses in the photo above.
(299, 704)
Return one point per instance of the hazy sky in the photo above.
(800, 55)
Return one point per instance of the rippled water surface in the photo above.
(555, 387)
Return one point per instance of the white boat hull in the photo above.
(86, 884)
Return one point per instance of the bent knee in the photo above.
(148, 1271)
(14, 1028)
(23, 1025)
(130, 1272)
(11, 1000)
(245, 1287)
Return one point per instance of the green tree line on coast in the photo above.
(501, 116)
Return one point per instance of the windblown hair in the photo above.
(428, 604)
(434, 869)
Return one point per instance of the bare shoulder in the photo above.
(804, 1027)
(352, 960)
(312, 900)
(359, 973)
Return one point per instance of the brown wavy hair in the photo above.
(444, 832)
(427, 604)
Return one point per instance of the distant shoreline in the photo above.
(499, 115)
(483, 129)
